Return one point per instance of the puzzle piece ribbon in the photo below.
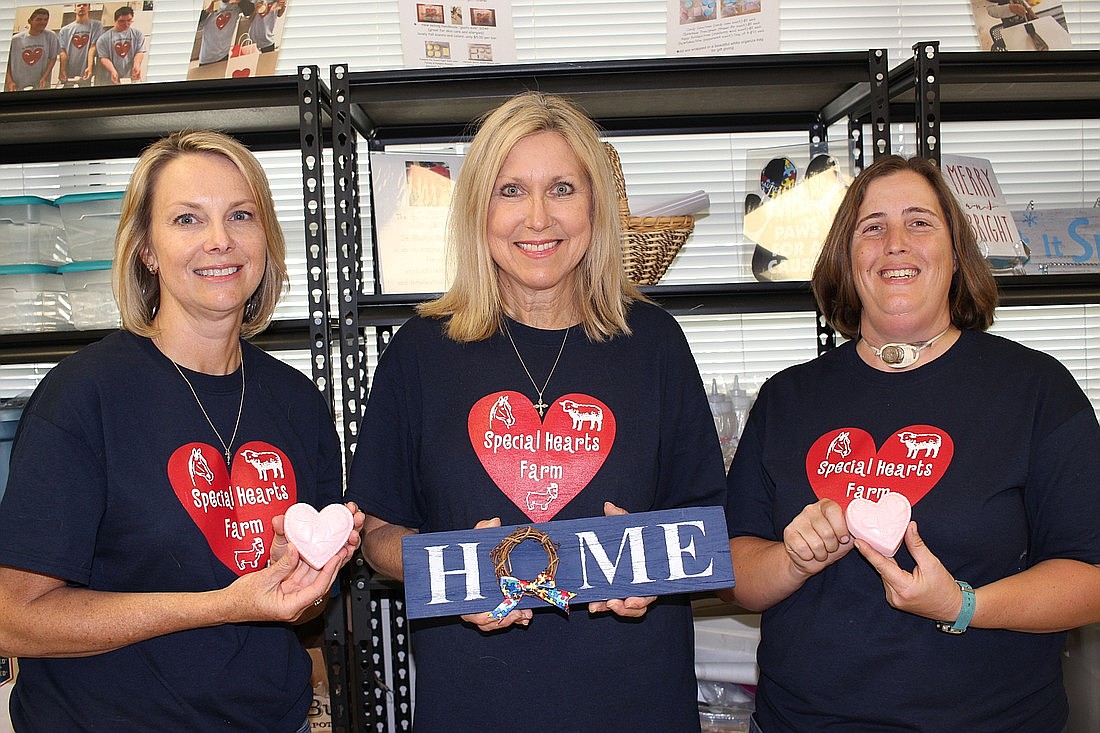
(542, 586)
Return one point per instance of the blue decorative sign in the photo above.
(567, 562)
(1061, 240)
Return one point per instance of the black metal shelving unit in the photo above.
(636, 97)
(265, 113)
(368, 649)
(776, 92)
(934, 87)
(676, 96)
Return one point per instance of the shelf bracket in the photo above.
(311, 139)
(383, 692)
(879, 67)
(819, 137)
(927, 64)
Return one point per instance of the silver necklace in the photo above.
(899, 356)
(540, 405)
(227, 448)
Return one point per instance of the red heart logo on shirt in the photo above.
(238, 73)
(80, 40)
(122, 48)
(844, 464)
(541, 464)
(234, 514)
(222, 20)
(32, 56)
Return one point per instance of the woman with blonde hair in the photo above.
(146, 582)
(540, 320)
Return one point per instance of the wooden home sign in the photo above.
(566, 562)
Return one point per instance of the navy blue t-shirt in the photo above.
(431, 457)
(996, 447)
(117, 483)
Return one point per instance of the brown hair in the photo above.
(473, 302)
(136, 289)
(972, 296)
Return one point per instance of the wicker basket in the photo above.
(650, 243)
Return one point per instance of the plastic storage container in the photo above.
(91, 220)
(89, 287)
(33, 298)
(31, 232)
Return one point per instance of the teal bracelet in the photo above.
(965, 615)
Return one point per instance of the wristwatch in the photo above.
(965, 615)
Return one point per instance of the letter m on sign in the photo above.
(590, 546)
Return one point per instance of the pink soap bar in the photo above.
(318, 535)
(882, 523)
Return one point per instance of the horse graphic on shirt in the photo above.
(841, 445)
(502, 411)
(197, 467)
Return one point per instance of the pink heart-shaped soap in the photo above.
(318, 535)
(882, 523)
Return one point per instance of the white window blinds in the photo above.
(1052, 163)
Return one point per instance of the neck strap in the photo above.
(902, 355)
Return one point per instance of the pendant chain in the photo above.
(227, 448)
(540, 405)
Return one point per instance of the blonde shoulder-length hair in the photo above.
(136, 289)
(602, 292)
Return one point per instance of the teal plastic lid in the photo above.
(77, 198)
(86, 266)
(27, 270)
(25, 201)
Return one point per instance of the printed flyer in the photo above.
(412, 195)
(722, 27)
(457, 33)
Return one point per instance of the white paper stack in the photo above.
(662, 205)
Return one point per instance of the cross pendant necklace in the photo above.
(227, 447)
(540, 405)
